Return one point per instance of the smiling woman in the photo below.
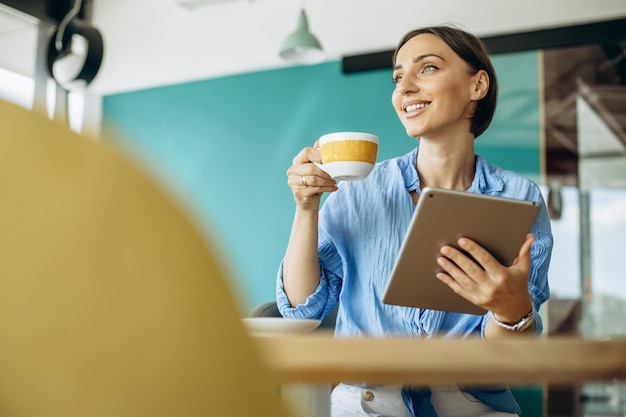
(341, 253)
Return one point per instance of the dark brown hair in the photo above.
(471, 50)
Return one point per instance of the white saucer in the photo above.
(278, 326)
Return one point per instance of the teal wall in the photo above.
(513, 140)
(223, 146)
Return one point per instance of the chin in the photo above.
(413, 129)
(414, 133)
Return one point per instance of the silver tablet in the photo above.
(441, 217)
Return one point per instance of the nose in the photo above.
(407, 84)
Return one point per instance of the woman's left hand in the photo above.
(486, 282)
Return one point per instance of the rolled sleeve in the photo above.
(326, 296)
(312, 308)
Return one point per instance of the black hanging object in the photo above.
(75, 60)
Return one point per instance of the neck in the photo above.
(462, 183)
(453, 170)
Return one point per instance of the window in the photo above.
(20, 90)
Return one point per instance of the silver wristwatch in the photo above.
(521, 325)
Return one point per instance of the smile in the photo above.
(414, 107)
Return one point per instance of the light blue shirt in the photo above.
(361, 229)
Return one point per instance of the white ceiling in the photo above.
(158, 42)
(18, 40)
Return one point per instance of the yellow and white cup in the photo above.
(348, 156)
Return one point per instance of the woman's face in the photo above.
(435, 92)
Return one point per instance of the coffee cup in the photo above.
(348, 156)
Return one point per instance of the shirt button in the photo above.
(368, 396)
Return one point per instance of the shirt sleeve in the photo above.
(540, 254)
(326, 295)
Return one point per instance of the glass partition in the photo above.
(585, 114)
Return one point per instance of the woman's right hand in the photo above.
(308, 181)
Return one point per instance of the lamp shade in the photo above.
(301, 46)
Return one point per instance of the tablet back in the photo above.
(441, 217)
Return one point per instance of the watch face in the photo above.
(526, 322)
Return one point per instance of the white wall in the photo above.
(156, 42)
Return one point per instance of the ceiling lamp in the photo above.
(301, 46)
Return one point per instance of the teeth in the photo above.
(413, 107)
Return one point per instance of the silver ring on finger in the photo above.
(304, 182)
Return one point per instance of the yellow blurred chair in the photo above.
(111, 303)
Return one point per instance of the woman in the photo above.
(445, 96)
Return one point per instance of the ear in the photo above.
(480, 86)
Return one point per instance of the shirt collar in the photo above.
(487, 179)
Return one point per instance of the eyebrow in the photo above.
(418, 59)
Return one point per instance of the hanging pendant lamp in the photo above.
(302, 47)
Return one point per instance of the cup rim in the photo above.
(335, 136)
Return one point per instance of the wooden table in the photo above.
(324, 359)
(311, 363)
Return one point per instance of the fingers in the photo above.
(306, 155)
(470, 258)
(460, 273)
(480, 254)
(455, 278)
(472, 272)
(306, 180)
(310, 177)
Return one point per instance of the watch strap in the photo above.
(521, 325)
